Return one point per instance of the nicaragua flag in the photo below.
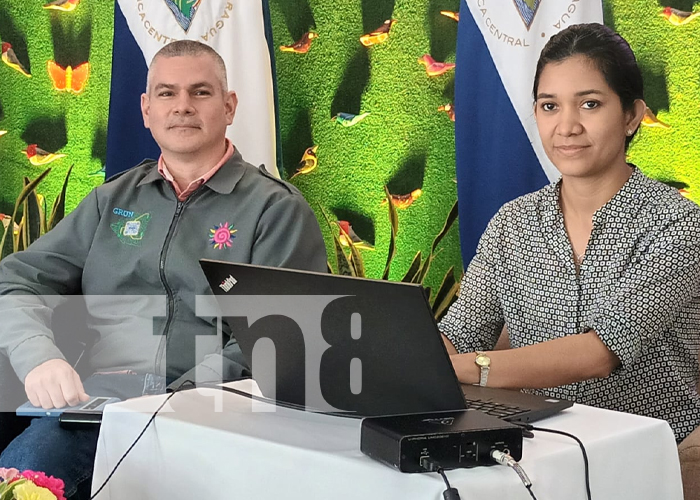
(238, 30)
(498, 151)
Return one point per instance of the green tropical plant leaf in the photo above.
(19, 237)
(8, 243)
(26, 190)
(394, 221)
(446, 294)
(34, 217)
(355, 258)
(413, 268)
(344, 266)
(451, 218)
(58, 210)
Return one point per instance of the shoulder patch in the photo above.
(146, 161)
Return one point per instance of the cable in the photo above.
(274, 402)
(431, 465)
(502, 458)
(240, 393)
(583, 452)
(153, 417)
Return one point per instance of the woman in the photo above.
(596, 277)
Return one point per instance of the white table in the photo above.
(206, 444)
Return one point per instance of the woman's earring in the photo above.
(629, 132)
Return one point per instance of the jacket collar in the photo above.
(223, 181)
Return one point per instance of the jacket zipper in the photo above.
(161, 269)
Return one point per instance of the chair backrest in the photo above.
(11, 396)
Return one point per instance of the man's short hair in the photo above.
(180, 48)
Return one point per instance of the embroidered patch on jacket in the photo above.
(222, 235)
(131, 231)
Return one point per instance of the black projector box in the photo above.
(454, 439)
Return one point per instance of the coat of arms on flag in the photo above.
(527, 9)
(184, 11)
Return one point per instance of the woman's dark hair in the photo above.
(607, 51)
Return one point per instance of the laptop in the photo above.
(351, 345)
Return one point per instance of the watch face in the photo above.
(482, 360)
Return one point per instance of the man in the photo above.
(141, 234)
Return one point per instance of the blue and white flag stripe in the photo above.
(236, 30)
(498, 150)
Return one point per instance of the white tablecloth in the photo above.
(206, 444)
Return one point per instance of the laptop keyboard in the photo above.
(494, 409)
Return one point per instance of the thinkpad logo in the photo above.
(228, 283)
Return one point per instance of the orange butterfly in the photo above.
(69, 79)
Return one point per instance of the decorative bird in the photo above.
(62, 5)
(5, 220)
(101, 172)
(348, 237)
(449, 109)
(379, 35)
(348, 119)
(38, 156)
(2, 132)
(678, 17)
(301, 46)
(10, 58)
(434, 68)
(450, 14)
(68, 79)
(650, 120)
(404, 200)
(308, 162)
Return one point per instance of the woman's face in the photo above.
(580, 118)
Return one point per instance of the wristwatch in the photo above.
(484, 363)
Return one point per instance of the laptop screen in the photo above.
(336, 343)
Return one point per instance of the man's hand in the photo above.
(54, 384)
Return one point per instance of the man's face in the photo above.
(185, 107)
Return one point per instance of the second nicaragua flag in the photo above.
(499, 154)
(236, 30)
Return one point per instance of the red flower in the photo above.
(54, 485)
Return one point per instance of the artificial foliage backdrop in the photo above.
(358, 110)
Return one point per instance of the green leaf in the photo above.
(394, 221)
(451, 218)
(20, 238)
(7, 493)
(446, 295)
(58, 210)
(413, 268)
(355, 258)
(20, 200)
(8, 243)
(344, 266)
(34, 217)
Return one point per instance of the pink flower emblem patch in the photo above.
(222, 235)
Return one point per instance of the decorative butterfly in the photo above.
(69, 79)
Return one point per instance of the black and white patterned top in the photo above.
(638, 288)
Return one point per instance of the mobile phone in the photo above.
(93, 405)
